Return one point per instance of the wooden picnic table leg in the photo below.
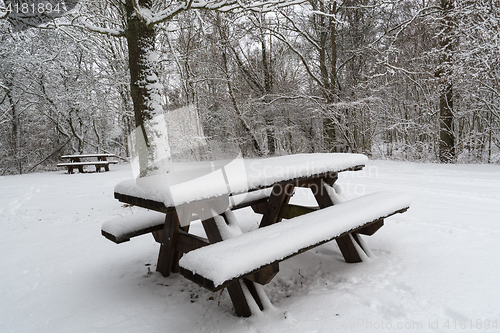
(345, 243)
(178, 254)
(80, 167)
(167, 247)
(280, 194)
(104, 159)
(182, 216)
(234, 289)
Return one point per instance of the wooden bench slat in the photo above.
(287, 211)
(88, 155)
(121, 229)
(86, 163)
(217, 265)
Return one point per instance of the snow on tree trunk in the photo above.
(446, 135)
(149, 142)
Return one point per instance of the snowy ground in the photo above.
(436, 267)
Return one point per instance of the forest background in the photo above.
(401, 79)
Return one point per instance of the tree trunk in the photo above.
(446, 134)
(269, 115)
(328, 71)
(149, 142)
(16, 130)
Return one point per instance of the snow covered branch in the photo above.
(104, 31)
(234, 6)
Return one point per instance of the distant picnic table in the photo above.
(78, 162)
(241, 262)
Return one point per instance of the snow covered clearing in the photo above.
(435, 268)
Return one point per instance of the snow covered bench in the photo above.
(219, 264)
(76, 162)
(80, 165)
(121, 229)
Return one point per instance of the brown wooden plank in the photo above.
(250, 203)
(372, 228)
(265, 275)
(144, 203)
(259, 208)
(126, 237)
(329, 178)
(202, 281)
(79, 156)
(280, 195)
(188, 242)
(158, 235)
(321, 194)
(83, 163)
(167, 247)
(211, 230)
(287, 211)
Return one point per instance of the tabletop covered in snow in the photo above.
(193, 181)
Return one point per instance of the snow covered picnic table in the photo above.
(229, 258)
(75, 161)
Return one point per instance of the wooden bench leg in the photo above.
(265, 275)
(345, 243)
(239, 300)
(167, 247)
(104, 159)
(251, 288)
(234, 289)
(372, 228)
(178, 254)
(348, 249)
